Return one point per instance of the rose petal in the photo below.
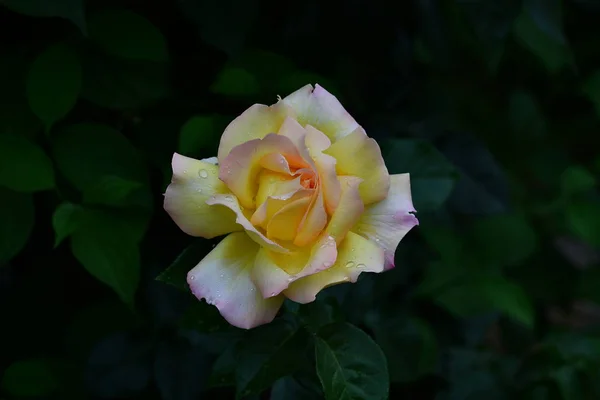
(192, 184)
(240, 169)
(355, 255)
(313, 222)
(223, 279)
(254, 123)
(319, 108)
(316, 141)
(274, 204)
(388, 221)
(358, 155)
(349, 209)
(232, 203)
(284, 223)
(273, 272)
(274, 184)
(329, 183)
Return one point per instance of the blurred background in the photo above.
(492, 106)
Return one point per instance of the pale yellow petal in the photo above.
(388, 221)
(283, 225)
(313, 223)
(273, 272)
(192, 184)
(349, 209)
(232, 203)
(319, 108)
(355, 255)
(358, 155)
(223, 279)
(254, 123)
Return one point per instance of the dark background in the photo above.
(492, 106)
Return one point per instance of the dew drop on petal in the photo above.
(192, 278)
(199, 190)
(272, 294)
(361, 266)
(185, 171)
(203, 173)
(327, 264)
(350, 264)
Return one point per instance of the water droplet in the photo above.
(252, 289)
(199, 190)
(203, 173)
(222, 275)
(361, 266)
(290, 279)
(350, 264)
(377, 240)
(327, 264)
(185, 171)
(272, 294)
(192, 278)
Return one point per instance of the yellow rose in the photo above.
(305, 198)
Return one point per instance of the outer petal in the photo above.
(223, 279)
(254, 123)
(388, 221)
(273, 272)
(240, 169)
(348, 211)
(193, 183)
(358, 155)
(355, 255)
(232, 203)
(319, 108)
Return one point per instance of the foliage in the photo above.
(493, 107)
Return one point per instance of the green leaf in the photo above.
(18, 216)
(481, 293)
(233, 81)
(553, 54)
(111, 190)
(289, 388)
(54, 83)
(576, 179)
(591, 88)
(432, 176)
(547, 15)
(176, 273)
(122, 33)
(72, 10)
(267, 354)
(204, 318)
(24, 166)
(30, 378)
(526, 117)
(409, 344)
(87, 153)
(582, 218)
(199, 132)
(119, 83)
(568, 382)
(350, 364)
(65, 220)
(110, 256)
(507, 239)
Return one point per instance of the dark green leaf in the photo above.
(204, 318)
(267, 354)
(54, 83)
(289, 388)
(224, 24)
(526, 117)
(29, 378)
(547, 15)
(122, 33)
(223, 372)
(507, 239)
(319, 313)
(199, 132)
(568, 382)
(72, 10)
(176, 273)
(591, 88)
(432, 176)
(181, 370)
(233, 81)
(118, 83)
(109, 253)
(582, 218)
(65, 220)
(120, 365)
(111, 190)
(87, 153)
(350, 364)
(480, 293)
(576, 179)
(18, 216)
(24, 166)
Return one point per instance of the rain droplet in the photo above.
(185, 171)
(222, 275)
(350, 264)
(361, 266)
(199, 190)
(203, 173)
(192, 278)
(290, 279)
(272, 294)
(252, 289)
(353, 249)
(327, 264)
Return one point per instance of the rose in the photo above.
(305, 197)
